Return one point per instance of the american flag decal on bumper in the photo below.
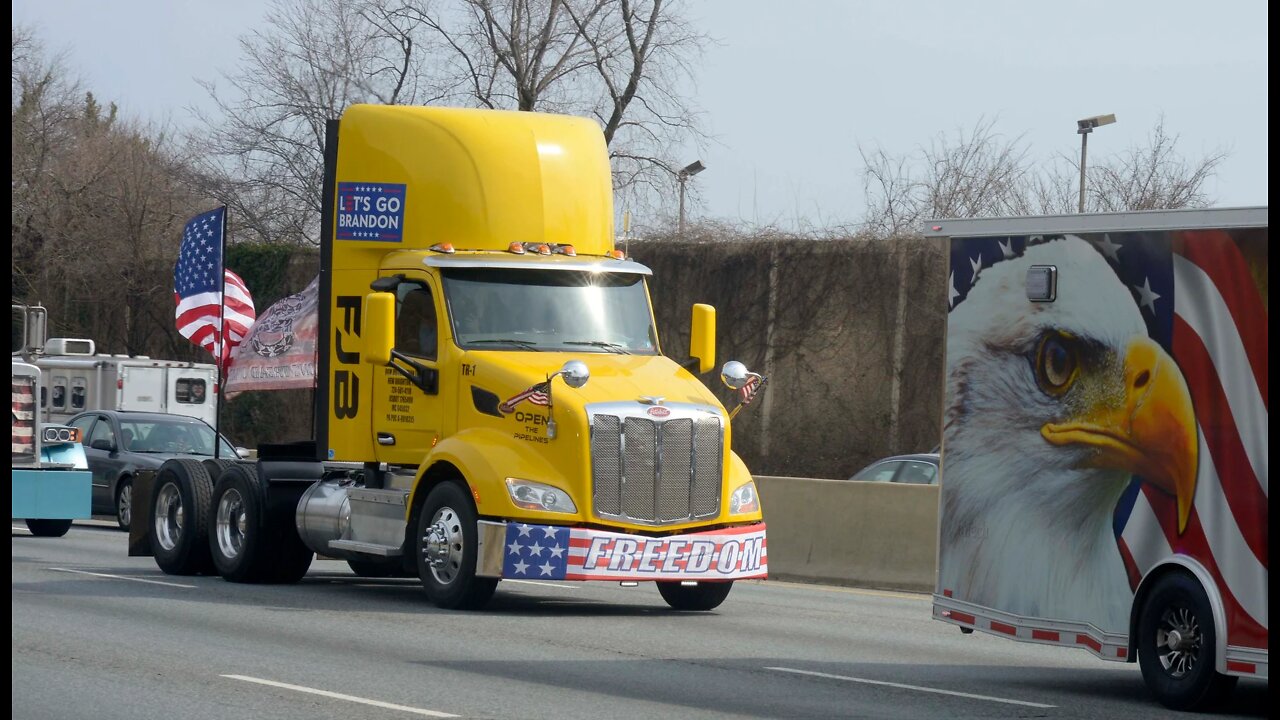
(551, 552)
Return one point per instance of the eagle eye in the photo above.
(1057, 363)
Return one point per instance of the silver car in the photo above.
(919, 469)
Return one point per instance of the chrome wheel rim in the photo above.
(124, 505)
(442, 545)
(231, 524)
(1178, 641)
(169, 516)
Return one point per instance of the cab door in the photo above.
(407, 417)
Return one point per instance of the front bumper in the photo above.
(517, 551)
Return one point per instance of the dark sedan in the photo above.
(919, 469)
(119, 443)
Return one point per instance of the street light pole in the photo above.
(682, 177)
(1084, 127)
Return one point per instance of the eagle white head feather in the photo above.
(1052, 408)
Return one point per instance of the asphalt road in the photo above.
(99, 635)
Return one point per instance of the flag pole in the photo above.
(222, 337)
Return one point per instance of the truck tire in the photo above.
(446, 550)
(216, 466)
(1177, 642)
(392, 568)
(247, 544)
(124, 502)
(703, 596)
(48, 528)
(180, 502)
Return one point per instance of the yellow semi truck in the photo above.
(493, 400)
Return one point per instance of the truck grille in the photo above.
(656, 472)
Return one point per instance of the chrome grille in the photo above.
(655, 471)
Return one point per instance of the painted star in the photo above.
(557, 551)
(1006, 249)
(521, 567)
(535, 549)
(951, 282)
(515, 548)
(1146, 296)
(1109, 249)
(546, 568)
(550, 531)
(524, 530)
(977, 266)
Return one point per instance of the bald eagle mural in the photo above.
(1052, 410)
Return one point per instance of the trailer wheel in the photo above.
(1177, 642)
(49, 528)
(180, 518)
(124, 502)
(446, 550)
(703, 596)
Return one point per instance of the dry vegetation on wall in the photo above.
(847, 330)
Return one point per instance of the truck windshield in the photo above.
(549, 310)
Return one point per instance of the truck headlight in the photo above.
(744, 499)
(536, 496)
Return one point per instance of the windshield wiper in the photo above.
(527, 344)
(611, 347)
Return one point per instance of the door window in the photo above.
(190, 391)
(415, 321)
(881, 472)
(83, 423)
(78, 393)
(59, 400)
(915, 472)
(103, 431)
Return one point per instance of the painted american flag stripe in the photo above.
(1217, 255)
(1199, 304)
(1222, 451)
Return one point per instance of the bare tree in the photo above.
(985, 174)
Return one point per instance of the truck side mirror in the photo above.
(702, 337)
(379, 330)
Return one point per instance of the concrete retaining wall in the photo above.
(873, 535)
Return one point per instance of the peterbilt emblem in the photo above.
(658, 411)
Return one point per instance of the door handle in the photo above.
(386, 438)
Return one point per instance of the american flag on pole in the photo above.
(1201, 296)
(748, 392)
(202, 287)
(539, 394)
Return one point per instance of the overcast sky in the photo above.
(791, 89)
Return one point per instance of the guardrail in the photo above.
(876, 535)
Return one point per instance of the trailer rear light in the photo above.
(446, 248)
(515, 247)
(119, 383)
(567, 250)
(617, 255)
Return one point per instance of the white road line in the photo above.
(340, 696)
(911, 687)
(122, 577)
(546, 584)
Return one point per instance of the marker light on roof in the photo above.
(515, 247)
(442, 248)
(543, 249)
(566, 250)
(617, 255)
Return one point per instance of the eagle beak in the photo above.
(1152, 435)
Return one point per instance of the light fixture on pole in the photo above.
(1084, 127)
(685, 173)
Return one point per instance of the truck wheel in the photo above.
(1177, 642)
(124, 503)
(378, 568)
(703, 596)
(237, 538)
(48, 528)
(246, 543)
(446, 549)
(216, 466)
(180, 518)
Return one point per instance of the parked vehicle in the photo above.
(120, 443)
(1105, 440)
(919, 469)
(76, 378)
(50, 480)
(501, 389)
